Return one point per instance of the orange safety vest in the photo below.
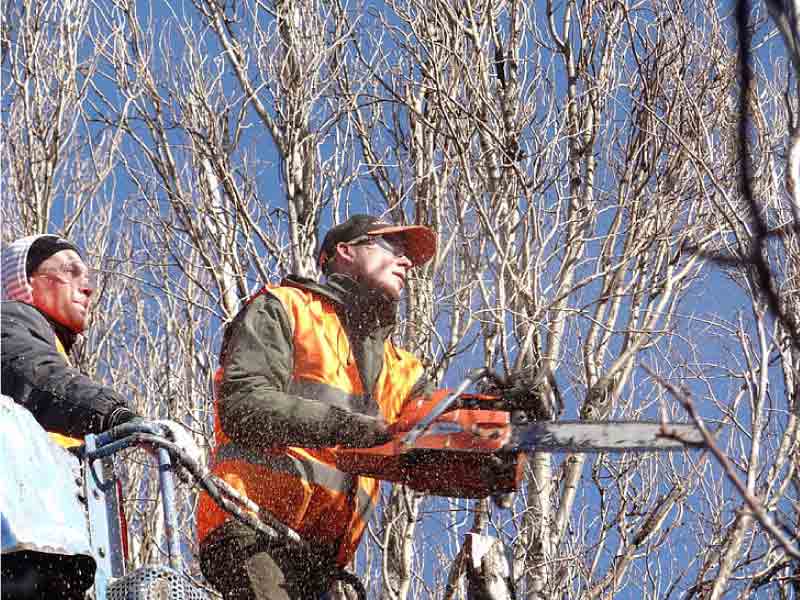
(302, 487)
(63, 440)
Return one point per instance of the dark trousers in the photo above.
(28, 575)
(239, 563)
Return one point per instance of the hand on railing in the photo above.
(180, 436)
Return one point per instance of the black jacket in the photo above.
(36, 375)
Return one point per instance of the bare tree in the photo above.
(758, 252)
(567, 269)
(579, 163)
(52, 164)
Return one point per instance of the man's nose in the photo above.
(404, 261)
(86, 288)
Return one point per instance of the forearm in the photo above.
(79, 416)
(36, 375)
(260, 418)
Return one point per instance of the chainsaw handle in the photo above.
(416, 410)
(441, 406)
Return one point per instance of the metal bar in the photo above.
(168, 505)
(603, 436)
(105, 532)
(126, 429)
(110, 449)
(130, 434)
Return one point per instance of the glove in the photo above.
(528, 395)
(180, 436)
(356, 430)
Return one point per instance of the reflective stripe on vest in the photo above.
(64, 441)
(314, 472)
(311, 471)
(328, 394)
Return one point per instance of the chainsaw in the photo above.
(466, 445)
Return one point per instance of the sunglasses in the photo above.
(395, 246)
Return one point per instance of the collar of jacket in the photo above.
(365, 311)
(65, 336)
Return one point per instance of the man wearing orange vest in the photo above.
(306, 369)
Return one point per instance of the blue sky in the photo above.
(716, 298)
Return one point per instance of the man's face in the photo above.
(61, 289)
(381, 264)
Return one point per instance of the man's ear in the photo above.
(344, 254)
(341, 260)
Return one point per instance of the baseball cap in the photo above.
(420, 241)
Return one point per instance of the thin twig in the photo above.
(752, 501)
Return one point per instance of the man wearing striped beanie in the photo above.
(46, 293)
(46, 288)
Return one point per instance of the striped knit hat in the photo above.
(19, 262)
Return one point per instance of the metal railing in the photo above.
(169, 458)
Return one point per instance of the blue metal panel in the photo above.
(39, 488)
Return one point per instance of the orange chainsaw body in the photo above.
(461, 455)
